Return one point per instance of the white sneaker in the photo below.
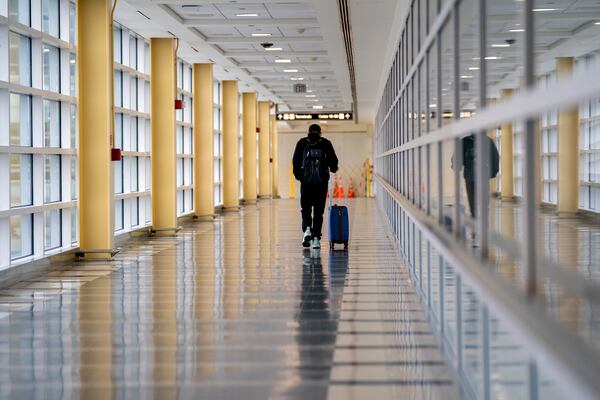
(316, 243)
(307, 238)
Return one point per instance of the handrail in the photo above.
(569, 360)
(529, 103)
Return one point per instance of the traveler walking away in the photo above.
(314, 157)
(469, 174)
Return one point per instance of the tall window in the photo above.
(132, 131)
(218, 145)
(40, 130)
(184, 132)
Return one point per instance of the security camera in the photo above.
(510, 41)
(266, 45)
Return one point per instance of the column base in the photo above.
(230, 209)
(205, 217)
(249, 202)
(264, 196)
(276, 196)
(567, 214)
(510, 199)
(164, 231)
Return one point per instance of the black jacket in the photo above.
(469, 155)
(323, 144)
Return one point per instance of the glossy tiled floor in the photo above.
(234, 309)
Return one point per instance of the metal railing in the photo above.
(459, 286)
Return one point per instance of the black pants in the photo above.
(471, 196)
(312, 200)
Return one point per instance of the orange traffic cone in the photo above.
(351, 194)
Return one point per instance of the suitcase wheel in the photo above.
(345, 245)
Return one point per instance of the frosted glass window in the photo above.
(20, 120)
(21, 236)
(73, 74)
(118, 176)
(74, 187)
(73, 127)
(50, 17)
(118, 215)
(148, 173)
(133, 100)
(20, 59)
(133, 52)
(51, 123)
(52, 181)
(72, 23)
(135, 211)
(52, 229)
(119, 131)
(118, 48)
(134, 174)
(21, 178)
(20, 11)
(118, 89)
(51, 68)
(74, 225)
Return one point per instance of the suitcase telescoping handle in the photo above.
(330, 185)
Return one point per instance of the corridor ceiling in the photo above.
(232, 33)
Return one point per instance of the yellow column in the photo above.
(275, 158)
(264, 147)
(506, 155)
(204, 200)
(95, 107)
(164, 172)
(249, 137)
(231, 157)
(568, 148)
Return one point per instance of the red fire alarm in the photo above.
(178, 104)
(257, 130)
(115, 154)
(270, 160)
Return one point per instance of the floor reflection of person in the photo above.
(317, 317)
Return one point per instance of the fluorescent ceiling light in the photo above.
(433, 105)
(516, 30)
(473, 68)
(246, 15)
(317, 107)
(273, 49)
(466, 76)
(283, 60)
(309, 91)
(260, 34)
(290, 70)
(501, 45)
(597, 23)
(297, 79)
(489, 58)
(311, 95)
(544, 9)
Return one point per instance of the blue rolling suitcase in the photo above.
(339, 224)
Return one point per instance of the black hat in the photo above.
(314, 128)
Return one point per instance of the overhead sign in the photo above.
(333, 116)
(299, 88)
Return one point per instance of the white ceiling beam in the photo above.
(264, 53)
(304, 22)
(258, 40)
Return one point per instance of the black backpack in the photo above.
(314, 164)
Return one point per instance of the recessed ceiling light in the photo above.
(246, 15)
(516, 30)
(597, 23)
(544, 9)
(283, 60)
(274, 49)
(260, 34)
(290, 70)
(317, 107)
(501, 45)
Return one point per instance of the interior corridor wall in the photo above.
(352, 149)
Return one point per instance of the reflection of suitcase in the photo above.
(339, 226)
